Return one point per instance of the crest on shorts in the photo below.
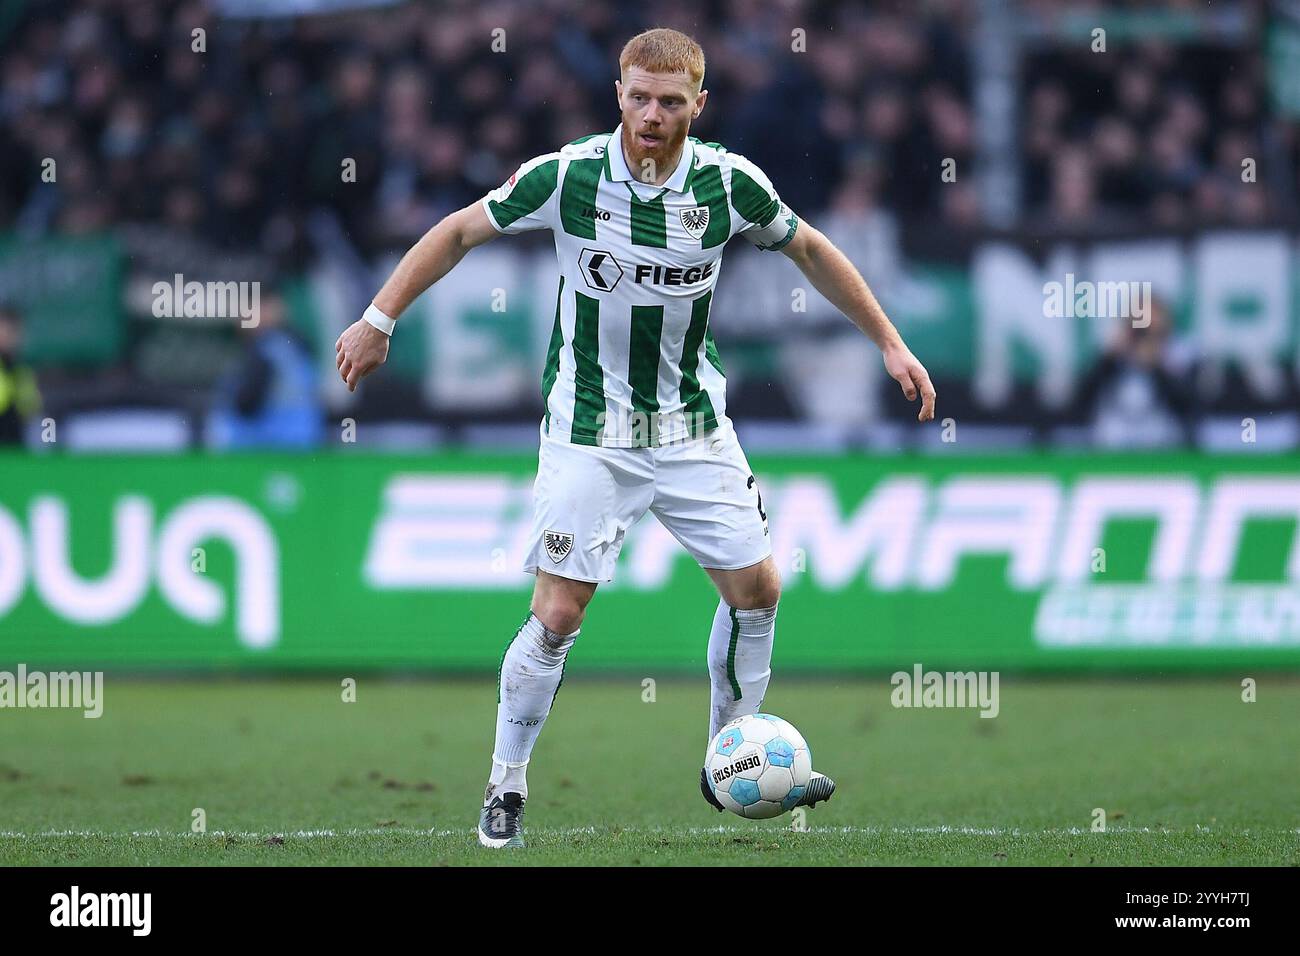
(695, 220)
(558, 544)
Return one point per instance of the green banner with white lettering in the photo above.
(1047, 562)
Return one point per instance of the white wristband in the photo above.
(380, 321)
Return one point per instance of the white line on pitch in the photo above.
(594, 831)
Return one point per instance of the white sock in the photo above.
(740, 662)
(531, 670)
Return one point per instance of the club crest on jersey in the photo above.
(695, 220)
(558, 544)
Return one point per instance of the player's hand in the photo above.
(360, 350)
(912, 377)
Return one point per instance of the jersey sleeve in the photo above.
(528, 199)
(766, 221)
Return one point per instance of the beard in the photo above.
(658, 155)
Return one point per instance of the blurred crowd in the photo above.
(346, 136)
(1172, 137)
(243, 140)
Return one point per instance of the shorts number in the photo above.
(750, 484)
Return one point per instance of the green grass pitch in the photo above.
(288, 773)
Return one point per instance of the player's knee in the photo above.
(559, 616)
(769, 593)
(762, 593)
(765, 590)
(560, 603)
(752, 592)
(765, 595)
(559, 611)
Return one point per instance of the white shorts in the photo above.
(586, 497)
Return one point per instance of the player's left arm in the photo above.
(835, 277)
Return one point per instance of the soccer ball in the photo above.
(758, 766)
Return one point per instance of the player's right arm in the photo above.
(363, 347)
(436, 254)
(527, 200)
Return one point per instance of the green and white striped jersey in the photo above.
(631, 362)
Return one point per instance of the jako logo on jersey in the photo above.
(591, 212)
(740, 766)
